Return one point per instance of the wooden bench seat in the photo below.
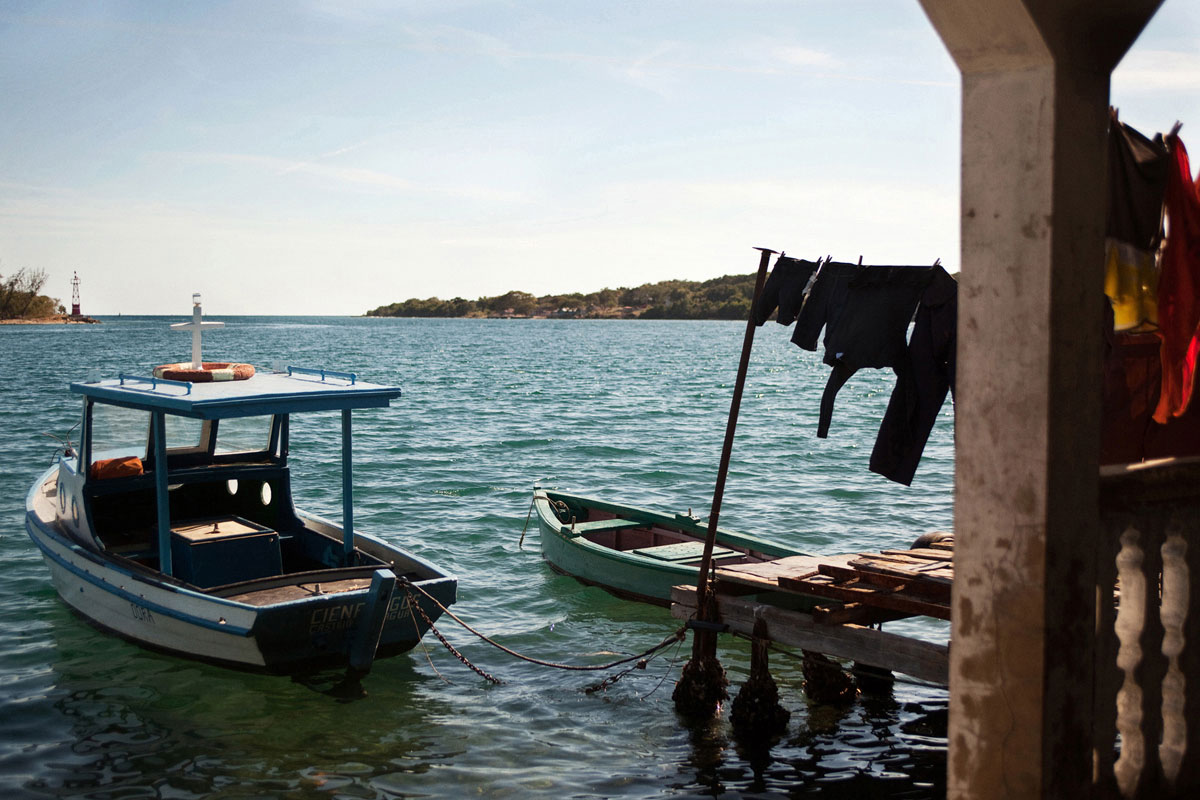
(683, 551)
(594, 526)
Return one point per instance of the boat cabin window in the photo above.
(244, 435)
(117, 432)
(185, 435)
(120, 433)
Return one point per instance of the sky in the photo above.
(331, 156)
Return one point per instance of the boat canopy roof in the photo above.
(294, 390)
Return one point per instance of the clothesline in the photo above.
(1152, 279)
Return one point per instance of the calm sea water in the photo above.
(630, 410)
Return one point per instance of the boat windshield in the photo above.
(117, 431)
(242, 435)
(184, 435)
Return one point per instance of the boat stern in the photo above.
(353, 628)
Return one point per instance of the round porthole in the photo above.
(62, 497)
(75, 512)
(231, 485)
(265, 494)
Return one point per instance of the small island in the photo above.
(22, 304)
(727, 297)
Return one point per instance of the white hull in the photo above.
(162, 617)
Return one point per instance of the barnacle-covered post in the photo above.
(757, 715)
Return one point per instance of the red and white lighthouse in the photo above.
(75, 295)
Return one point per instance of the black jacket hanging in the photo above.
(865, 312)
(921, 384)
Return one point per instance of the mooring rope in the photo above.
(64, 445)
(557, 505)
(421, 642)
(412, 602)
(644, 656)
(529, 516)
(667, 671)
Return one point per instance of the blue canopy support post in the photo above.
(158, 424)
(85, 448)
(347, 491)
(284, 432)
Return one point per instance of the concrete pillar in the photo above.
(1035, 98)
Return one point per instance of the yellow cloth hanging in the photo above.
(1131, 283)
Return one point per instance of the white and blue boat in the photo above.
(174, 527)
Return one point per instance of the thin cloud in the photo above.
(658, 61)
(803, 57)
(1158, 70)
(452, 39)
(355, 176)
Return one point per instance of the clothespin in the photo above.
(860, 261)
(821, 262)
(937, 262)
(1175, 129)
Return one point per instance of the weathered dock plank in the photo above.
(766, 574)
(849, 590)
(860, 589)
(895, 581)
(927, 661)
(940, 554)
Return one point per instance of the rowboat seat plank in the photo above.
(595, 526)
(683, 551)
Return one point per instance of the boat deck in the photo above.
(298, 591)
(863, 590)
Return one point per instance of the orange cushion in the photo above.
(116, 468)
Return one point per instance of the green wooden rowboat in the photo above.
(633, 552)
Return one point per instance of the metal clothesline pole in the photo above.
(709, 642)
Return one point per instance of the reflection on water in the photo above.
(140, 721)
(876, 747)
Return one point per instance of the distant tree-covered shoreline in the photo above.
(726, 297)
(20, 298)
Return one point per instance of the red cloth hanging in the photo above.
(1179, 286)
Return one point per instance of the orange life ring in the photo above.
(212, 371)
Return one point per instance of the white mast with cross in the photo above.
(196, 326)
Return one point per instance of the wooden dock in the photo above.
(853, 595)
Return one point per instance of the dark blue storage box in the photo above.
(213, 552)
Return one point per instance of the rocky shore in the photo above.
(57, 319)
